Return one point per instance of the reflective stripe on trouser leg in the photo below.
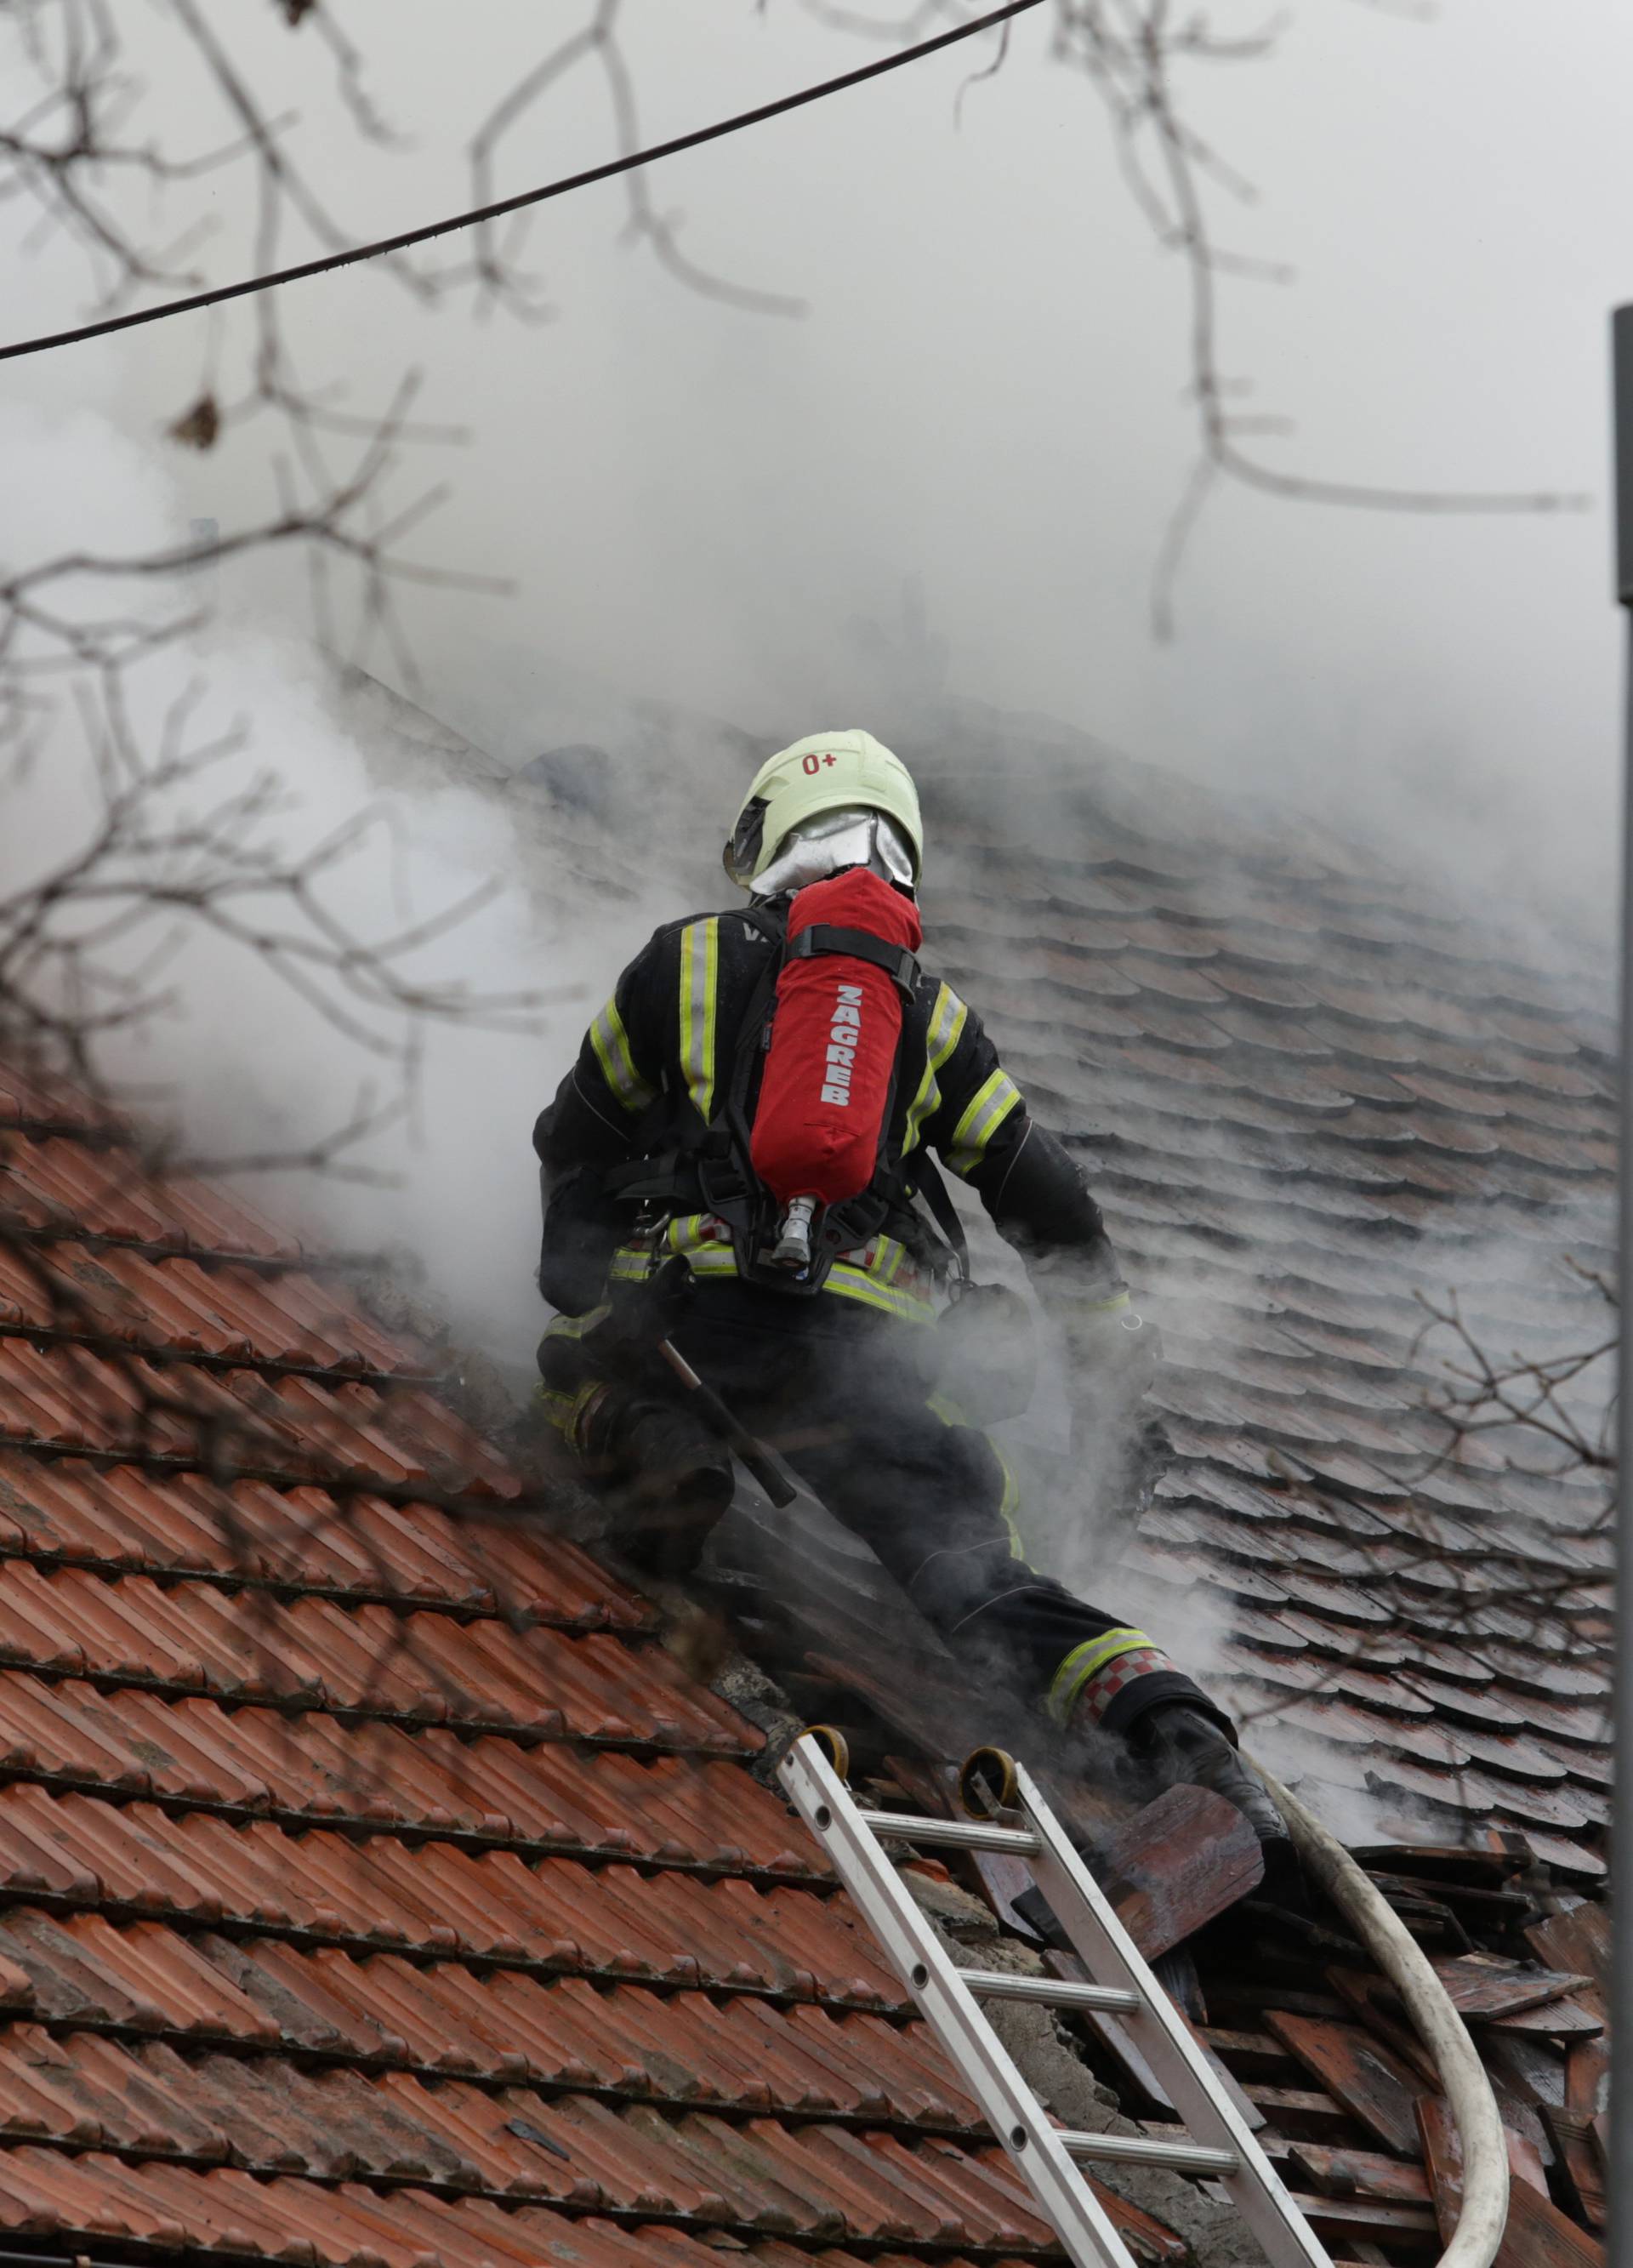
(574, 1387)
(570, 1413)
(1095, 1674)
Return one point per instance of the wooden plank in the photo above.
(1091, 1816)
(1004, 1880)
(1375, 2087)
(1524, 2075)
(1489, 1907)
(1581, 2168)
(1340, 2220)
(1525, 2161)
(1250, 2055)
(1148, 2238)
(1578, 1938)
(1296, 1941)
(1581, 1938)
(1504, 1852)
(1301, 2112)
(1566, 2020)
(1369, 1998)
(910, 1707)
(1483, 1989)
(1587, 2076)
(1252, 2117)
(928, 1792)
(1356, 2173)
(1425, 1913)
(1175, 1971)
(1443, 2159)
(1251, 2000)
(1533, 2069)
(1538, 2235)
(1122, 2038)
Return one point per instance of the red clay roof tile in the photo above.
(1309, 1081)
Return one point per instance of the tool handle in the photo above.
(752, 1454)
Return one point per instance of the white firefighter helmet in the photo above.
(825, 787)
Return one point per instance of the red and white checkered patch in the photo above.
(1098, 1692)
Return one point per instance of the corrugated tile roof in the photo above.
(376, 1885)
(379, 1890)
(1307, 1088)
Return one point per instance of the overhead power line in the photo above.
(607, 171)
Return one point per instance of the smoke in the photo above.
(987, 400)
(946, 486)
(249, 1048)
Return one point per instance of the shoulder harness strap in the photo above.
(858, 944)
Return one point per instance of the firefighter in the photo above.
(645, 1159)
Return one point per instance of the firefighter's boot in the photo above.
(1175, 1743)
(672, 1481)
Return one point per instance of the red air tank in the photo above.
(821, 1116)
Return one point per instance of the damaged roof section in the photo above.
(1320, 1548)
(1308, 1089)
(379, 1888)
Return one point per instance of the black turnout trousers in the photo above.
(841, 1394)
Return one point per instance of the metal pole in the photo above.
(1619, 2250)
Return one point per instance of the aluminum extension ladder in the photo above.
(1218, 2142)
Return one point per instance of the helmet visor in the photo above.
(742, 851)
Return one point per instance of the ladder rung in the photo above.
(952, 1834)
(1186, 2157)
(1053, 1992)
(1054, 2163)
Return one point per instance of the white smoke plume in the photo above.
(953, 475)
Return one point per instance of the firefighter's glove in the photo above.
(1111, 1357)
(640, 1313)
(1112, 1360)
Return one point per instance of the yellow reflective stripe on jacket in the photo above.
(709, 1258)
(700, 969)
(990, 1106)
(630, 1264)
(611, 1042)
(1085, 1661)
(853, 1283)
(945, 1030)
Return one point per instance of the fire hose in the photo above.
(1483, 2213)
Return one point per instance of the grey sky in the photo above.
(703, 505)
(698, 503)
